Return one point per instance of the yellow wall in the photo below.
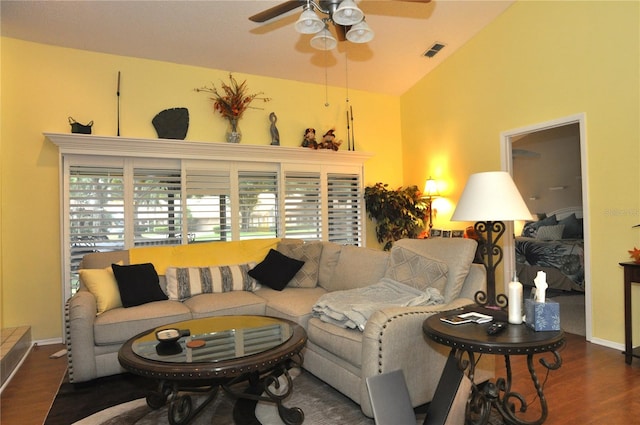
(43, 85)
(537, 62)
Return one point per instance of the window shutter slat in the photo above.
(303, 207)
(157, 209)
(258, 204)
(208, 205)
(345, 208)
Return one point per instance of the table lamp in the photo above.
(489, 199)
(430, 191)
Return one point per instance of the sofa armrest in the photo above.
(80, 313)
(393, 339)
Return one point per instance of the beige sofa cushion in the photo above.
(116, 326)
(100, 260)
(357, 267)
(293, 303)
(343, 343)
(328, 261)
(234, 302)
(457, 253)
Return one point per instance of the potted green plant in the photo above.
(399, 213)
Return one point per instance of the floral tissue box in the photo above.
(542, 316)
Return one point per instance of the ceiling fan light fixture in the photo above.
(324, 40)
(360, 33)
(347, 13)
(309, 22)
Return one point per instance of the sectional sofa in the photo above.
(98, 323)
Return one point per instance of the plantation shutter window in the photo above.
(95, 220)
(345, 208)
(208, 203)
(119, 193)
(303, 205)
(157, 207)
(258, 204)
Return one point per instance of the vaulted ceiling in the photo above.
(218, 34)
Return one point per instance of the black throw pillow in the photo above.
(138, 284)
(276, 270)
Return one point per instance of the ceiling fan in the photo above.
(347, 18)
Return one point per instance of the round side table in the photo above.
(469, 339)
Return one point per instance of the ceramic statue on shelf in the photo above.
(275, 134)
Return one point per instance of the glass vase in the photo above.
(233, 134)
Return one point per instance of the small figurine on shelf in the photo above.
(275, 134)
(329, 141)
(309, 140)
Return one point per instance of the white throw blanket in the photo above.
(352, 308)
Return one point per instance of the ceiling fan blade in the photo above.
(276, 11)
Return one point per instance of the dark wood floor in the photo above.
(593, 386)
(27, 398)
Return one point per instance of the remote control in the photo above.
(496, 328)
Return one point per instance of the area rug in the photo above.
(320, 403)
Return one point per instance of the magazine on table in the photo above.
(471, 317)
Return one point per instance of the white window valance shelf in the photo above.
(86, 144)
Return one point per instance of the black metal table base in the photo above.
(181, 411)
(510, 404)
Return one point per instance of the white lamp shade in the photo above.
(309, 22)
(347, 13)
(324, 40)
(360, 33)
(491, 196)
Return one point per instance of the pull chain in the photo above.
(346, 71)
(326, 78)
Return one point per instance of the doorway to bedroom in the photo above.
(548, 165)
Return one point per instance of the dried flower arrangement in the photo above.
(232, 99)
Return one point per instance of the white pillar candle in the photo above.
(515, 302)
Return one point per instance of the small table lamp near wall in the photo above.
(430, 192)
(491, 198)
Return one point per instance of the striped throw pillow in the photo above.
(185, 282)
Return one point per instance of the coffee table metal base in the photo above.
(181, 411)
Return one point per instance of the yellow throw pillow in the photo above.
(102, 284)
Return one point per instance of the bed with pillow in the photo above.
(554, 244)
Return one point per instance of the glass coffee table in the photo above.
(209, 354)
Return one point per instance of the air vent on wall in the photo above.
(433, 50)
